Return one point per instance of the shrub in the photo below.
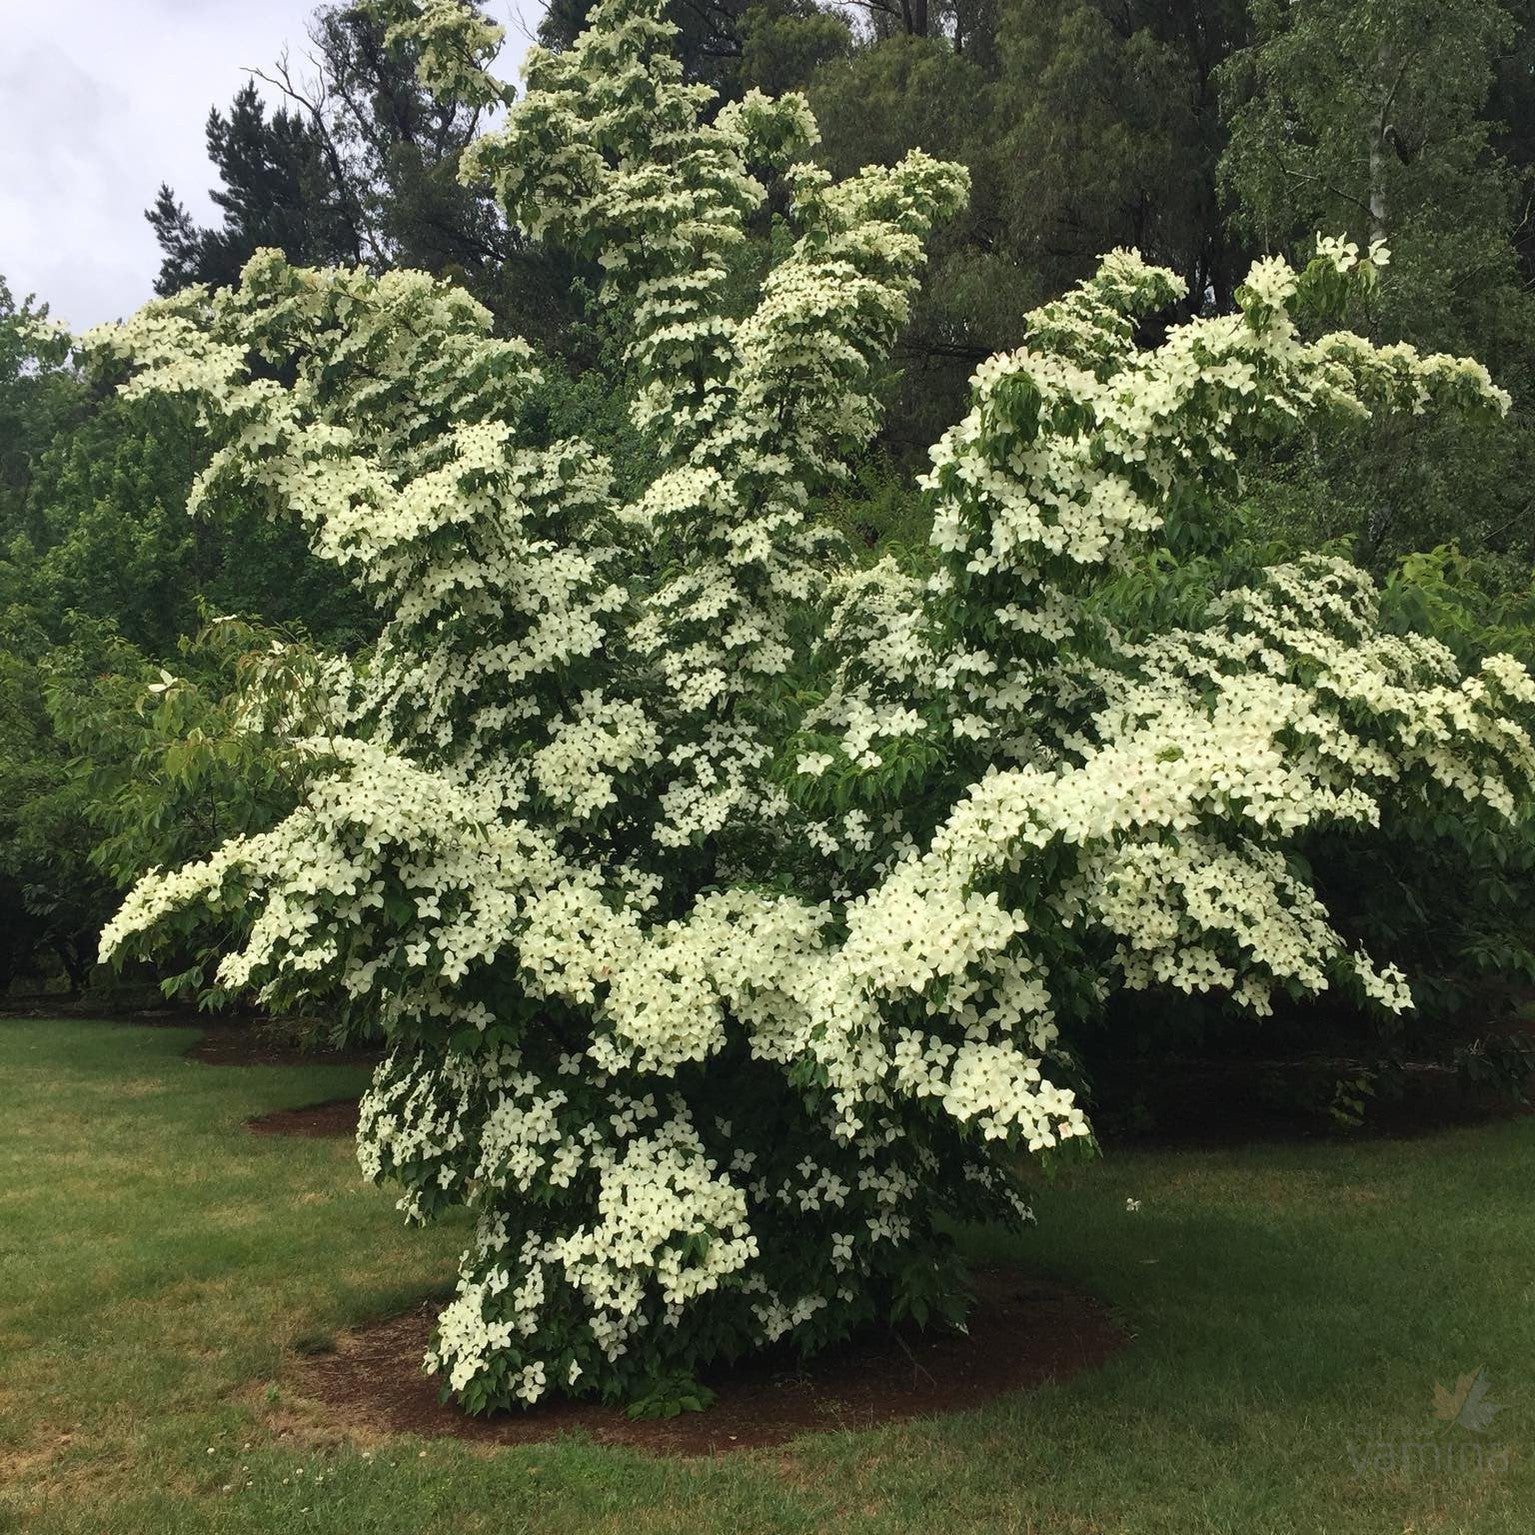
(729, 902)
(1446, 895)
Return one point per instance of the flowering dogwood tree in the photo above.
(728, 900)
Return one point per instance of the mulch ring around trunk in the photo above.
(1024, 1332)
(337, 1117)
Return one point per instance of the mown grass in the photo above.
(1292, 1309)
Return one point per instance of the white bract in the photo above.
(729, 902)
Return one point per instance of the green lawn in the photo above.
(1292, 1307)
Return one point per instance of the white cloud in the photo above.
(101, 101)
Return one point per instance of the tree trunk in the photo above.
(1378, 145)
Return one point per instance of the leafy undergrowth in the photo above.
(1294, 1308)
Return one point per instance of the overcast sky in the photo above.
(101, 101)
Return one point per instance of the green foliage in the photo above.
(167, 766)
(108, 537)
(110, 765)
(52, 899)
(277, 187)
(1378, 120)
(39, 392)
(103, 575)
(874, 106)
(1084, 125)
(668, 1396)
(730, 45)
(876, 508)
(358, 165)
(1104, 133)
(1371, 119)
(1449, 896)
(782, 46)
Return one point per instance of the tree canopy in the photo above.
(731, 903)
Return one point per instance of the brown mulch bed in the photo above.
(1024, 1332)
(336, 1117)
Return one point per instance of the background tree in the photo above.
(729, 45)
(277, 186)
(52, 896)
(1107, 132)
(104, 573)
(1084, 125)
(39, 394)
(1377, 119)
(110, 538)
(359, 164)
